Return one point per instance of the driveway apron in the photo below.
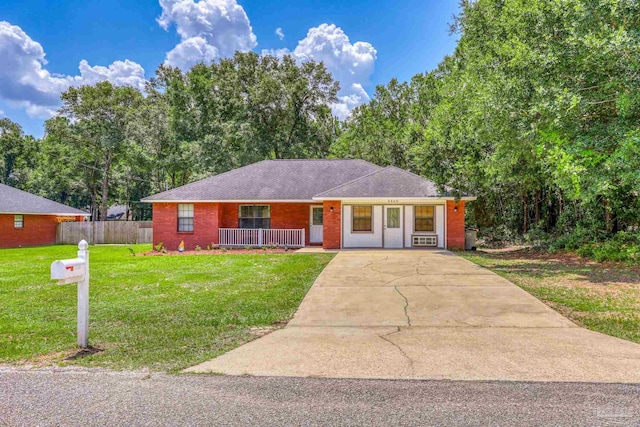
(426, 314)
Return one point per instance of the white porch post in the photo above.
(260, 237)
(302, 243)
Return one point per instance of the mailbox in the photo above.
(68, 270)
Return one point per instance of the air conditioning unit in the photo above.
(425, 241)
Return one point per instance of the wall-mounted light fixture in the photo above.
(331, 208)
(455, 208)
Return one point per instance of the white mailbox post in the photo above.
(76, 270)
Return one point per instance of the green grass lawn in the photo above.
(158, 312)
(601, 297)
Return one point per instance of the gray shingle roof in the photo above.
(15, 201)
(388, 182)
(271, 180)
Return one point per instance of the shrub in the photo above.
(159, 247)
(622, 247)
(198, 248)
(576, 239)
(537, 237)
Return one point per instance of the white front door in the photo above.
(315, 224)
(393, 226)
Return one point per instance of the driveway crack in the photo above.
(406, 305)
(404, 354)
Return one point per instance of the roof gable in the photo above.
(17, 201)
(271, 180)
(388, 182)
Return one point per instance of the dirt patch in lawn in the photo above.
(220, 252)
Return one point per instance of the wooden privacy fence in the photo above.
(105, 232)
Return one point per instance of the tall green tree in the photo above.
(94, 135)
(16, 153)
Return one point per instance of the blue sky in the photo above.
(46, 46)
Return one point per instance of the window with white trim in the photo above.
(424, 218)
(185, 217)
(254, 216)
(362, 219)
(18, 221)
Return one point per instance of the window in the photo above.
(317, 216)
(424, 218)
(362, 218)
(393, 217)
(185, 218)
(18, 221)
(254, 216)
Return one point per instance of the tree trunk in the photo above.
(537, 206)
(525, 212)
(105, 190)
(607, 216)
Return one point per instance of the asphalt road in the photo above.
(81, 398)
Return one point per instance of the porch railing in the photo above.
(258, 237)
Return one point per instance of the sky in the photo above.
(47, 46)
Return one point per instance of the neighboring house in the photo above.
(332, 203)
(30, 220)
(117, 213)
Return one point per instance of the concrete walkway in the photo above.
(428, 315)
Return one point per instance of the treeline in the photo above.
(537, 112)
(111, 145)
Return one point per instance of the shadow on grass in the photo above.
(89, 351)
(540, 265)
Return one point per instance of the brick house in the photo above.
(30, 220)
(330, 203)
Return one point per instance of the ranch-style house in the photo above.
(330, 203)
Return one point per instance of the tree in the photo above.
(16, 153)
(96, 129)
(248, 108)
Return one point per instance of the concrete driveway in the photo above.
(428, 315)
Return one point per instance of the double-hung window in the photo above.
(362, 218)
(18, 221)
(254, 216)
(424, 218)
(185, 217)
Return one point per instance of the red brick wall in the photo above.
(455, 225)
(205, 226)
(38, 230)
(208, 217)
(332, 233)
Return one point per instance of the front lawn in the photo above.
(602, 297)
(162, 313)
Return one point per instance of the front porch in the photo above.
(259, 237)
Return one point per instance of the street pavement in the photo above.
(77, 397)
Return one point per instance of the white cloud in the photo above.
(349, 63)
(355, 95)
(280, 33)
(208, 30)
(25, 82)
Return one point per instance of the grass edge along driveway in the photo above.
(162, 313)
(603, 297)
